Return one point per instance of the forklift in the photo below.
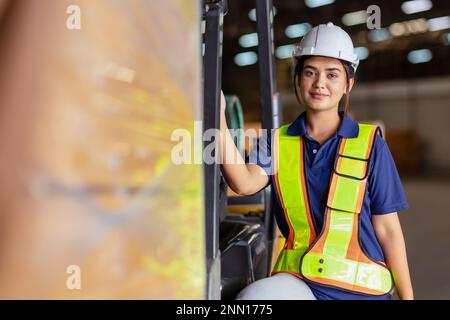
(239, 243)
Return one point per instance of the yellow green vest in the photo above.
(334, 258)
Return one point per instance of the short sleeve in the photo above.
(385, 188)
(261, 153)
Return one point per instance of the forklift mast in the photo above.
(216, 200)
(270, 107)
(213, 12)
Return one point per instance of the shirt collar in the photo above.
(348, 128)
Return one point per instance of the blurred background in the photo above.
(91, 205)
(402, 83)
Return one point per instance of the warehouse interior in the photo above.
(408, 96)
(96, 95)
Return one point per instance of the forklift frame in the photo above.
(213, 14)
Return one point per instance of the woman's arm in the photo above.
(244, 179)
(389, 233)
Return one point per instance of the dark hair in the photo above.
(300, 62)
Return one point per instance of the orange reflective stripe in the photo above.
(290, 240)
(334, 176)
(290, 184)
(306, 195)
(318, 246)
(342, 146)
(354, 251)
(362, 193)
(371, 141)
(332, 189)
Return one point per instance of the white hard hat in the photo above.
(330, 41)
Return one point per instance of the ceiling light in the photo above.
(420, 56)
(440, 23)
(378, 35)
(354, 18)
(246, 58)
(410, 7)
(417, 25)
(284, 52)
(249, 40)
(317, 3)
(252, 14)
(407, 27)
(297, 30)
(397, 29)
(362, 52)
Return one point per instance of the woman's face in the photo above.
(322, 83)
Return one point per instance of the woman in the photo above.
(337, 188)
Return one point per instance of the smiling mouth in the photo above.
(316, 95)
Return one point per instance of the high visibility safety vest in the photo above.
(334, 257)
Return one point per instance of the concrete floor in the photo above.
(426, 227)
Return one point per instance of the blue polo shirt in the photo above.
(384, 189)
